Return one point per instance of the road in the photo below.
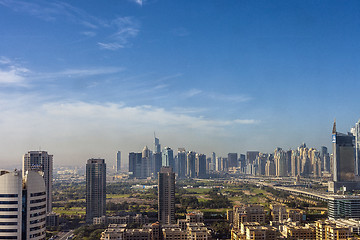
(64, 235)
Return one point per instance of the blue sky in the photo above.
(84, 79)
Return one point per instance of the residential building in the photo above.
(166, 195)
(95, 189)
(118, 161)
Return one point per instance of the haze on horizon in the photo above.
(85, 79)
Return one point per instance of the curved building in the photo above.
(22, 205)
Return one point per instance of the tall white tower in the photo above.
(23, 205)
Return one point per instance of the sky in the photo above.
(85, 78)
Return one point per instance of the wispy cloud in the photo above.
(126, 28)
(138, 2)
(217, 96)
(11, 73)
(110, 46)
(89, 33)
(116, 33)
(77, 73)
(192, 92)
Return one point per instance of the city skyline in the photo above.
(82, 80)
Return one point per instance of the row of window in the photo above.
(37, 214)
(8, 202)
(8, 223)
(8, 195)
(8, 216)
(37, 228)
(36, 234)
(38, 220)
(37, 200)
(8, 230)
(37, 207)
(37, 194)
(8, 209)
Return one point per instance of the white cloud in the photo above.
(192, 92)
(89, 34)
(138, 2)
(11, 73)
(75, 130)
(110, 46)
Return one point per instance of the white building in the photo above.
(22, 195)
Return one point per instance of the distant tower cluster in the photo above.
(95, 189)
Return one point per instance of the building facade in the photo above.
(166, 195)
(41, 161)
(22, 205)
(95, 189)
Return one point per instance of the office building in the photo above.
(118, 161)
(200, 165)
(135, 164)
(190, 164)
(232, 160)
(157, 146)
(213, 162)
(23, 205)
(41, 161)
(251, 156)
(356, 132)
(157, 161)
(342, 206)
(95, 189)
(166, 195)
(168, 158)
(344, 162)
(181, 156)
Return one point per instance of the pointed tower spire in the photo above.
(334, 127)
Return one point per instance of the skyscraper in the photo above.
(23, 205)
(157, 146)
(356, 132)
(95, 189)
(135, 161)
(190, 164)
(344, 164)
(200, 165)
(181, 162)
(168, 158)
(41, 161)
(166, 195)
(213, 162)
(118, 161)
(232, 160)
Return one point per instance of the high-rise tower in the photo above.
(157, 146)
(344, 161)
(23, 205)
(41, 161)
(168, 157)
(95, 189)
(118, 161)
(356, 132)
(166, 195)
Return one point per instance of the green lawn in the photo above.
(117, 195)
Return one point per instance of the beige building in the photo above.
(250, 213)
(299, 232)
